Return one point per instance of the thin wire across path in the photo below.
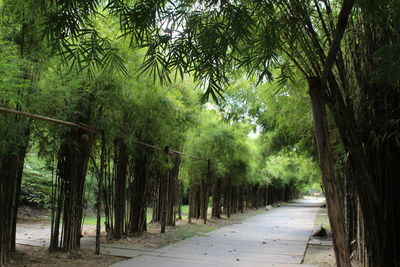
(90, 129)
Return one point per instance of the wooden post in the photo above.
(99, 194)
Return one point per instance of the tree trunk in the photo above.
(206, 193)
(165, 180)
(216, 201)
(179, 199)
(254, 204)
(120, 189)
(100, 192)
(11, 167)
(138, 197)
(156, 215)
(137, 214)
(72, 167)
(173, 194)
(73, 173)
(240, 199)
(227, 198)
(336, 216)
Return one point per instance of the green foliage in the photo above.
(282, 117)
(285, 116)
(292, 169)
(224, 144)
(90, 88)
(36, 185)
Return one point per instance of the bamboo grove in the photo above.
(317, 79)
(132, 141)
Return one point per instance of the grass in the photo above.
(92, 219)
(180, 232)
(322, 218)
(185, 209)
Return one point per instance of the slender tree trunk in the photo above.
(109, 187)
(173, 194)
(240, 199)
(180, 199)
(265, 196)
(191, 212)
(234, 200)
(156, 202)
(205, 185)
(228, 198)
(255, 197)
(197, 202)
(120, 189)
(11, 167)
(336, 216)
(138, 200)
(100, 192)
(165, 194)
(73, 162)
(216, 202)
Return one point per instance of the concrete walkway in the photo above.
(275, 238)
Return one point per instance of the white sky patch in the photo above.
(255, 133)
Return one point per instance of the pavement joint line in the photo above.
(221, 259)
(233, 258)
(125, 248)
(265, 239)
(249, 252)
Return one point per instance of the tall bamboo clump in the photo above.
(72, 165)
(73, 155)
(166, 192)
(19, 39)
(11, 166)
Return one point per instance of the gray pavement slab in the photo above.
(151, 261)
(274, 238)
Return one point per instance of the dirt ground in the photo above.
(39, 256)
(324, 256)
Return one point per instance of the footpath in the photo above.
(275, 238)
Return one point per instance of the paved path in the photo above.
(275, 238)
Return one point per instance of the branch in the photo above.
(340, 29)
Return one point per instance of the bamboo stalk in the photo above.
(99, 195)
(44, 118)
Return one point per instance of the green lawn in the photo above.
(185, 209)
(92, 219)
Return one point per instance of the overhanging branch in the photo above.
(340, 29)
